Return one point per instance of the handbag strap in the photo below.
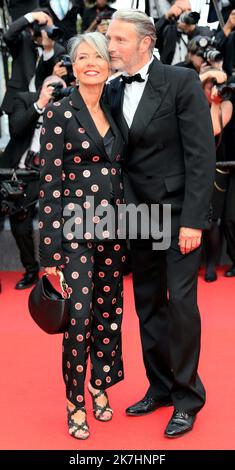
(63, 284)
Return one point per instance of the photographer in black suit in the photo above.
(34, 54)
(22, 152)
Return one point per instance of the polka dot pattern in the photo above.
(73, 167)
(92, 298)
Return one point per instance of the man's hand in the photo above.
(59, 69)
(208, 72)
(45, 95)
(174, 11)
(41, 17)
(189, 239)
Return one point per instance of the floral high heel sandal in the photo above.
(99, 410)
(75, 428)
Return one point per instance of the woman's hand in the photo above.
(210, 73)
(52, 270)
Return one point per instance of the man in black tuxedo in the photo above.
(170, 160)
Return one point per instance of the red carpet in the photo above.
(32, 391)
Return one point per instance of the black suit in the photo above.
(23, 121)
(68, 25)
(170, 160)
(83, 143)
(17, 8)
(24, 65)
(75, 166)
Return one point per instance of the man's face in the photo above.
(124, 46)
(196, 60)
(186, 28)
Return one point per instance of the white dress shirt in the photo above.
(60, 8)
(133, 93)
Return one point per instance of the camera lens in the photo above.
(213, 56)
(203, 42)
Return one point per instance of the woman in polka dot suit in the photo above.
(81, 156)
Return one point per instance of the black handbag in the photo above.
(49, 308)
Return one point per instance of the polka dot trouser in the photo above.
(93, 272)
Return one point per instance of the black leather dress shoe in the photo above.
(146, 405)
(180, 423)
(210, 276)
(27, 281)
(230, 272)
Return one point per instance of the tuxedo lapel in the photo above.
(151, 100)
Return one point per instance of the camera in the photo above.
(66, 62)
(189, 18)
(207, 49)
(11, 196)
(226, 90)
(53, 32)
(59, 91)
(104, 16)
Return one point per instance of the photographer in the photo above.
(34, 50)
(217, 93)
(225, 34)
(93, 17)
(23, 152)
(229, 217)
(202, 51)
(173, 35)
(226, 38)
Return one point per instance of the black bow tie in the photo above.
(133, 78)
